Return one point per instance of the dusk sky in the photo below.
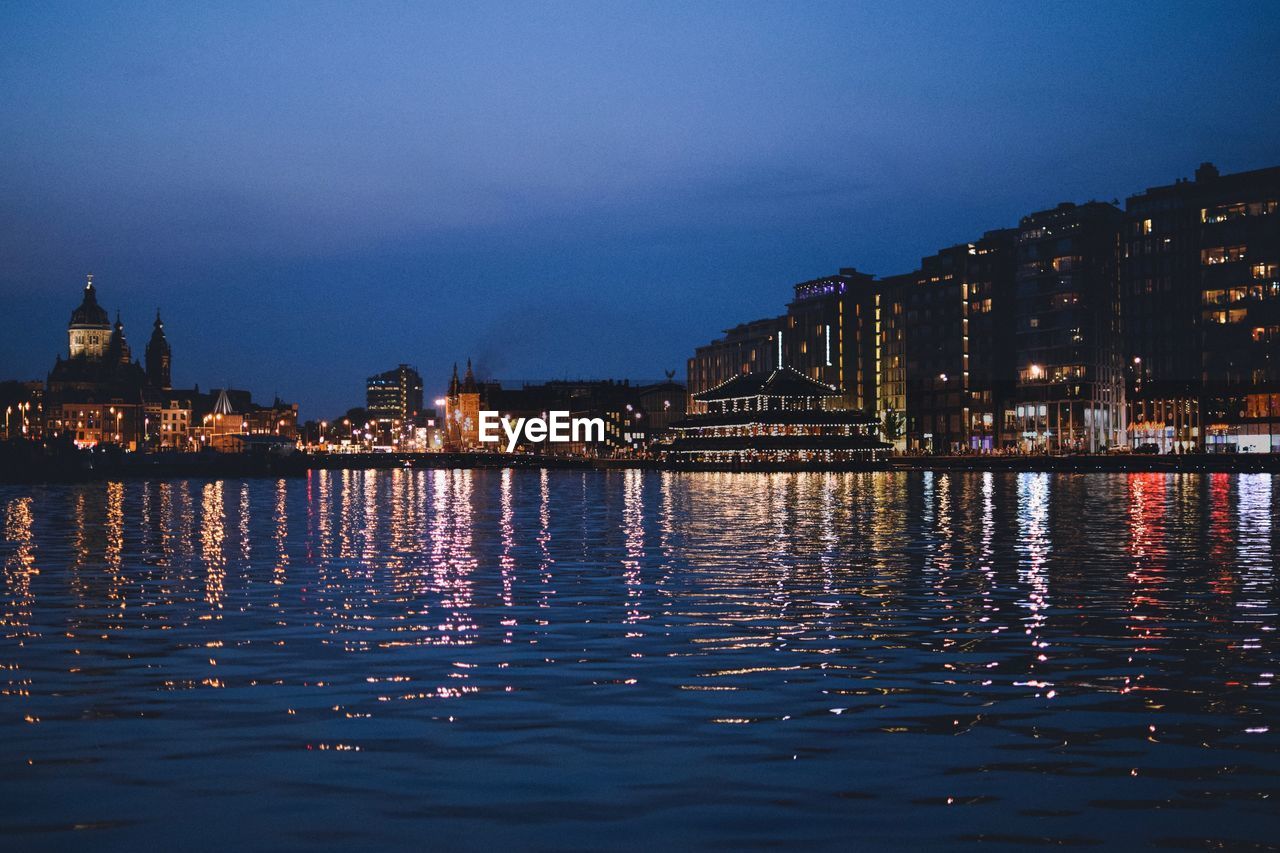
(312, 193)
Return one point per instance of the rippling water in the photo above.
(563, 659)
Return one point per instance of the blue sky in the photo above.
(314, 192)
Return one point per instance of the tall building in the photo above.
(1071, 383)
(959, 346)
(394, 400)
(826, 334)
(889, 354)
(820, 338)
(159, 357)
(1200, 292)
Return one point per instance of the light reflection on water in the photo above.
(568, 659)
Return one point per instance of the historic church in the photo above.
(98, 393)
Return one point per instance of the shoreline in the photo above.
(85, 467)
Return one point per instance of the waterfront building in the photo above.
(23, 404)
(1071, 384)
(745, 348)
(1200, 295)
(98, 393)
(771, 417)
(889, 355)
(827, 334)
(462, 411)
(663, 403)
(820, 339)
(957, 325)
(393, 401)
(170, 423)
(89, 422)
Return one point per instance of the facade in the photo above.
(462, 412)
(394, 401)
(959, 347)
(745, 348)
(90, 422)
(89, 331)
(1071, 382)
(1200, 294)
(772, 417)
(171, 424)
(821, 335)
(827, 334)
(889, 351)
(98, 394)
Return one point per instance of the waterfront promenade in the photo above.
(26, 464)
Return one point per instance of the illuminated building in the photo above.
(89, 329)
(771, 417)
(98, 393)
(171, 424)
(23, 405)
(827, 334)
(1200, 295)
(957, 320)
(462, 412)
(745, 348)
(1071, 383)
(393, 400)
(888, 333)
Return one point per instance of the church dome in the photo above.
(90, 313)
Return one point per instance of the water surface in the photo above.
(574, 660)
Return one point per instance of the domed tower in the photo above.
(89, 332)
(159, 356)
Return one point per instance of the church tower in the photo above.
(159, 356)
(89, 332)
(118, 351)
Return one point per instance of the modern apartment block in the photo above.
(1071, 384)
(959, 346)
(1084, 329)
(1200, 294)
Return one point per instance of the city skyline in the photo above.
(415, 209)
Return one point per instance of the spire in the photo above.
(159, 356)
(469, 382)
(453, 383)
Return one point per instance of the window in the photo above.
(1221, 255)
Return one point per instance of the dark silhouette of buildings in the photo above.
(159, 357)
